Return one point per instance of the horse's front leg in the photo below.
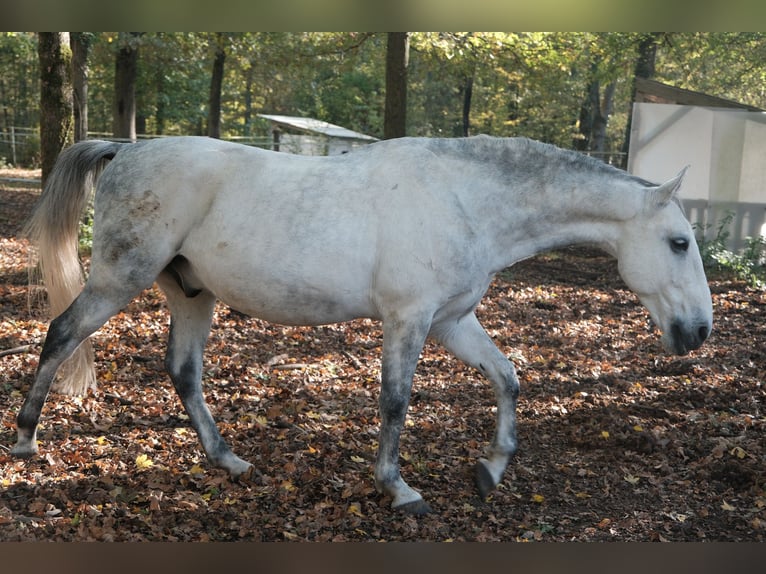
(402, 343)
(468, 341)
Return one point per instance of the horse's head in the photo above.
(659, 260)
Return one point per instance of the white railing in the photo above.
(15, 144)
(18, 145)
(748, 220)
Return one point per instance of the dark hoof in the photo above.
(23, 453)
(416, 507)
(484, 481)
(251, 476)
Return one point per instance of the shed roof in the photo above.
(315, 126)
(652, 91)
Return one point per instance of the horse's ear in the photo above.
(667, 191)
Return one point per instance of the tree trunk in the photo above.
(645, 68)
(80, 42)
(588, 111)
(467, 96)
(125, 74)
(397, 61)
(56, 100)
(601, 119)
(216, 85)
(248, 113)
(161, 102)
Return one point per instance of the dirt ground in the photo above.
(618, 441)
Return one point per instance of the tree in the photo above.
(19, 80)
(536, 85)
(125, 74)
(56, 98)
(603, 56)
(645, 68)
(397, 61)
(80, 43)
(216, 84)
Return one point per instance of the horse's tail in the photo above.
(54, 230)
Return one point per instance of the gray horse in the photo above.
(409, 231)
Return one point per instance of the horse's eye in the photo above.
(679, 244)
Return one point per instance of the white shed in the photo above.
(725, 147)
(308, 136)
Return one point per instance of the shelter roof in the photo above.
(314, 126)
(654, 92)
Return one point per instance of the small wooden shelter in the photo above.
(309, 136)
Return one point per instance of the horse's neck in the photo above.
(564, 210)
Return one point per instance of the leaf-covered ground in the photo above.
(618, 441)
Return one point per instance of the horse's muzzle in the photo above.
(686, 338)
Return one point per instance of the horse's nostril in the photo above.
(703, 333)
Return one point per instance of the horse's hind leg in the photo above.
(468, 341)
(87, 313)
(190, 319)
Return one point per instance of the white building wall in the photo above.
(726, 152)
(753, 183)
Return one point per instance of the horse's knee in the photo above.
(60, 339)
(510, 382)
(183, 374)
(512, 388)
(183, 366)
(393, 405)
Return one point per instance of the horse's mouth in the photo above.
(682, 339)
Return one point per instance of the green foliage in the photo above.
(518, 84)
(747, 265)
(85, 236)
(19, 79)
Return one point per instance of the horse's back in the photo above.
(289, 238)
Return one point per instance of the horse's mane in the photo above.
(519, 151)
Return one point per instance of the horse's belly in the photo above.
(294, 308)
(291, 301)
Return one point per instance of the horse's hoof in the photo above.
(484, 481)
(250, 476)
(23, 452)
(416, 507)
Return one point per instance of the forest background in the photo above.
(619, 442)
(571, 89)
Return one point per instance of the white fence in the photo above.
(18, 145)
(21, 146)
(747, 220)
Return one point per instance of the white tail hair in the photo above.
(53, 230)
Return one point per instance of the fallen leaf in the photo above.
(196, 470)
(143, 461)
(355, 509)
(738, 452)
